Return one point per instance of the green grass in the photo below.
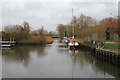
(111, 40)
(80, 40)
(113, 47)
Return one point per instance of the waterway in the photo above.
(53, 61)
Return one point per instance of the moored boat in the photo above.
(73, 43)
(64, 40)
(6, 46)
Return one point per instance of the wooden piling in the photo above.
(108, 56)
(103, 54)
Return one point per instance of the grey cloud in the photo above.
(49, 14)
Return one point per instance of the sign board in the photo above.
(94, 36)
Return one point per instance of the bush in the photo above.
(48, 40)
(38, 39)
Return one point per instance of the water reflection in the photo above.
(54, 61)
(64, 46)
(81, 58)
(107, 68)
(0, 64)
(22, 53)
(97, 65)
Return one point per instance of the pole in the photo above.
(10, 40)
(72, 22)
(67, 32)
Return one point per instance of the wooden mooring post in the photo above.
(103, 54)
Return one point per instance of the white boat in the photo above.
(6, 46)
(64, 40)
(73, 43)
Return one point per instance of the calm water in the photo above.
(0, 64)
(53, 61)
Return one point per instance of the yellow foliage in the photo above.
(38, 39)
(48, 39)
(87, 31)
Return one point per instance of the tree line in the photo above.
(86, 26)
(23, 33)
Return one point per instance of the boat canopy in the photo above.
(73, 40)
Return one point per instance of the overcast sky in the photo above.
(50, 14)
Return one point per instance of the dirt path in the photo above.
(112, 42)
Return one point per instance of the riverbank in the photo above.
(41, 40)
(107, 45)
(52, 61)
(106, 55)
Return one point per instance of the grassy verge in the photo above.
(80, 40)
(113, 47)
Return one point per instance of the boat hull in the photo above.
(5, 46)
(73, 46)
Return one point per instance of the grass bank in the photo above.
(107, 46)
(113, 47)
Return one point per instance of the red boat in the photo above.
(72, 43)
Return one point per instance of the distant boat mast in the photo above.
(72, 22)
